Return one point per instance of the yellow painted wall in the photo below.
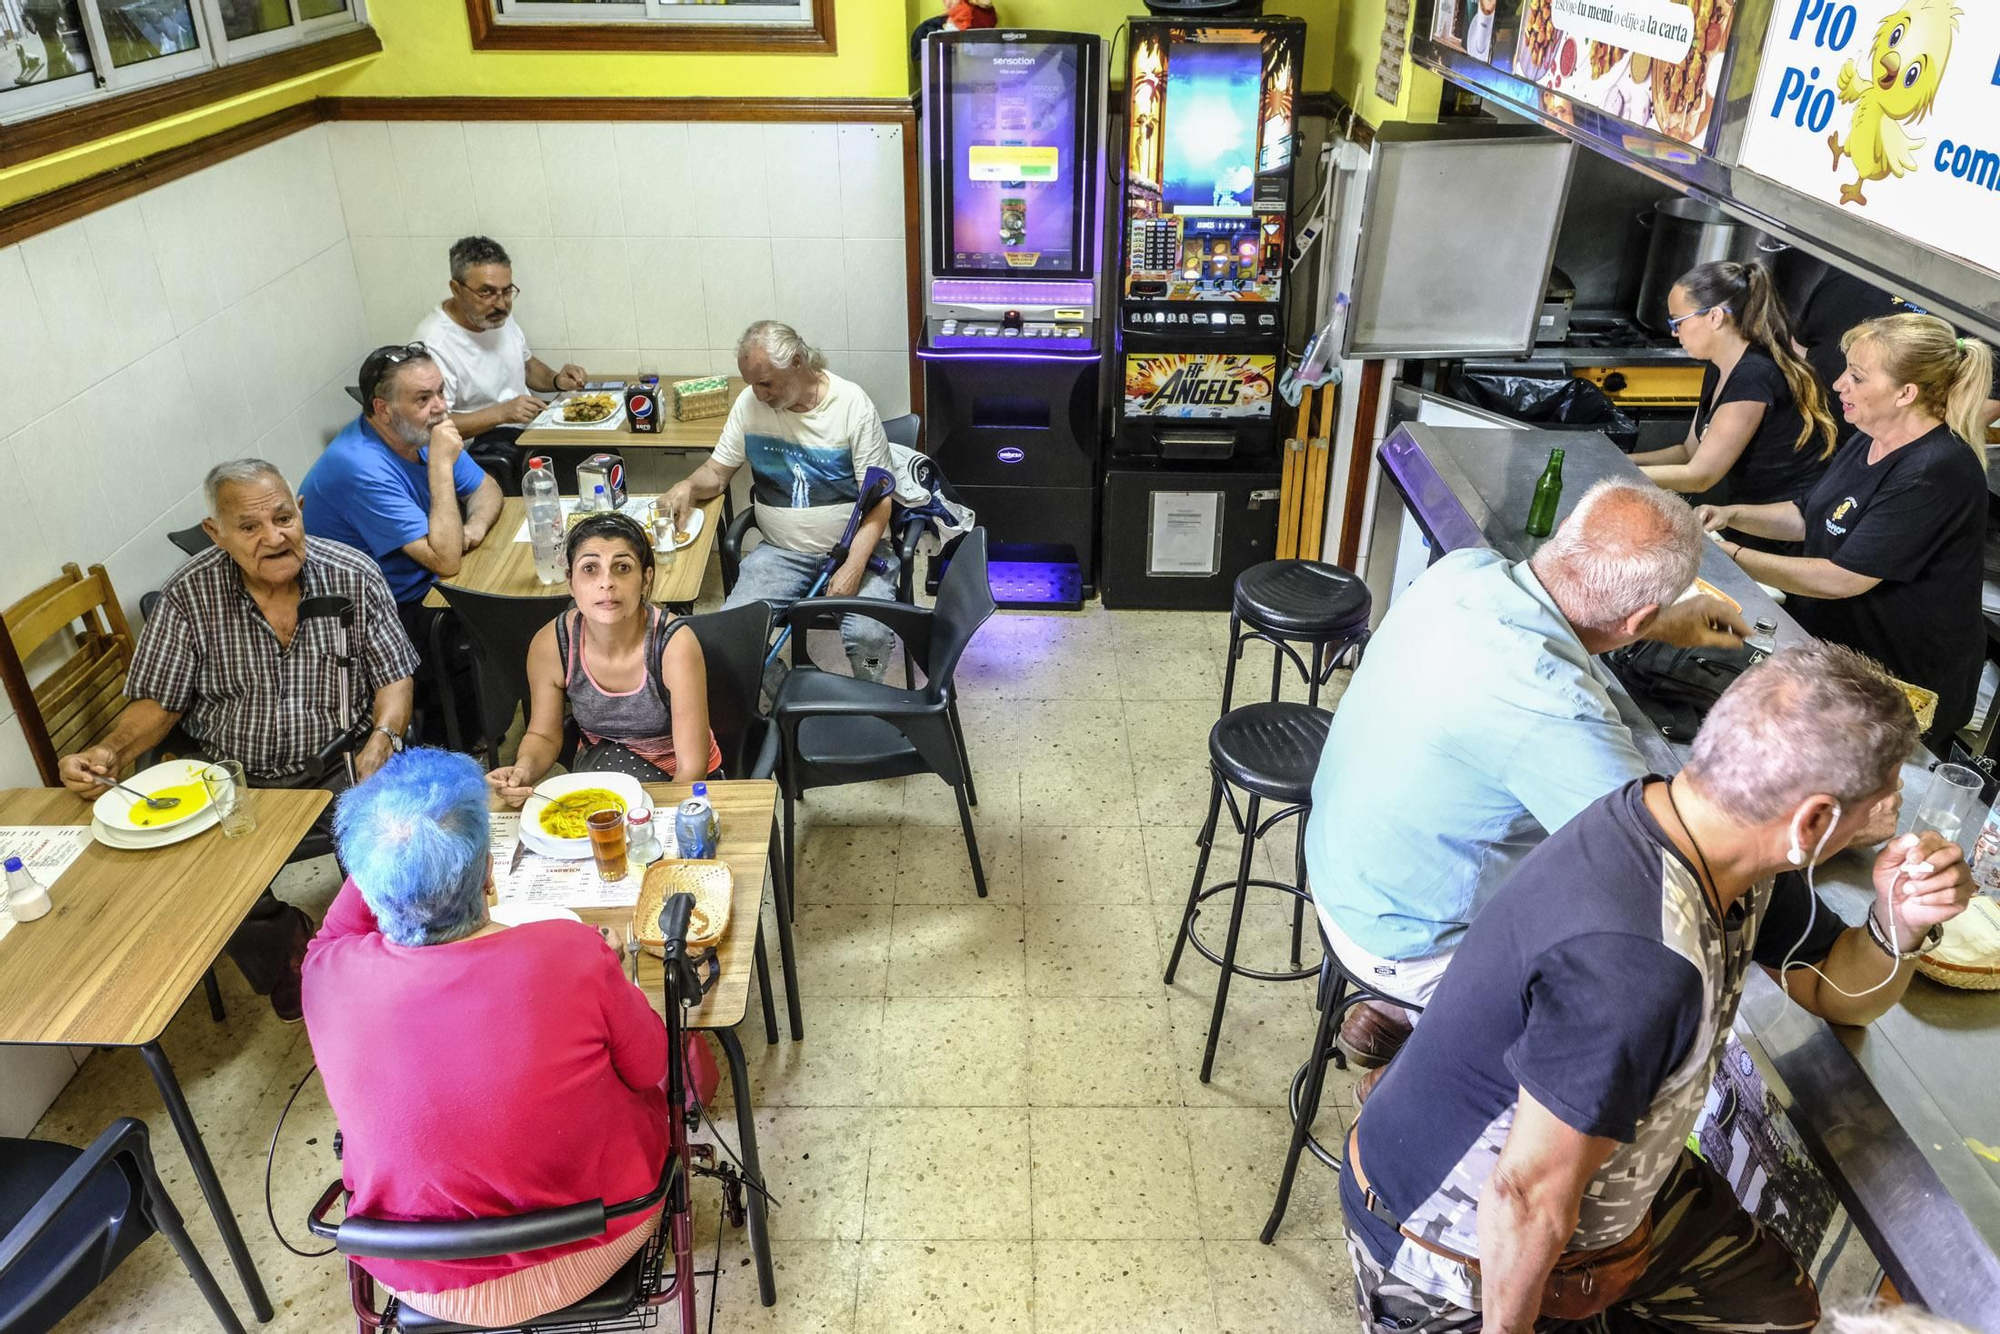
(427, 52)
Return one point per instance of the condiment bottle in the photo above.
(642, 845)
(27, 898)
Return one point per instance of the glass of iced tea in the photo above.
(607, 842)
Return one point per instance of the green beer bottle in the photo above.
(1548, 494)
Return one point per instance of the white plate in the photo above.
(572, 849)
(552, 415)
(113, 808)
(146, 842)
(520, 914)
(696, 517)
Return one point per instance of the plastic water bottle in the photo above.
(27, 899)
(545, 519)
(695, 826)
(596, 502)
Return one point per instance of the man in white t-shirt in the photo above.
(809, 438)
(491, 379)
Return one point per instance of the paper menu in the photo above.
(555, 881)
(46, 850)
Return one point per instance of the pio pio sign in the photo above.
(1889, 109)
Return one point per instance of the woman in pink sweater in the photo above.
(476, 1070)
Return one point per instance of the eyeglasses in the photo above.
(492, 293)
(1674, 322)
(378, 364)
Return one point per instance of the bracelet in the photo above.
(1887, 946)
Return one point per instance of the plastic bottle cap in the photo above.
(701, 789)
(13, 865)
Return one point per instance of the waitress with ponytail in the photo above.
(1764, 425)
(1894, 534)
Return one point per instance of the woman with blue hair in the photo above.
(476, 1070)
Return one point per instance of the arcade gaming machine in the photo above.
(1190, 496)
(1013, 125)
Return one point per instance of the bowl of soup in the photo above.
(554, 821)
(178, 780)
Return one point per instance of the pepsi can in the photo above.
(695, 827)
(642, 407)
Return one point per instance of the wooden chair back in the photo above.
(75, 705)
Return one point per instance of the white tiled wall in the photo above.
(643, 242)
(213, 317)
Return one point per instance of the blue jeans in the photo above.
(780, 576)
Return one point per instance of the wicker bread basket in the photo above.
(709, 881)
(1969, 956)
(1923, 703)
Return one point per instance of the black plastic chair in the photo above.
(499, 629)
(193, 541)
(835, 730)
(69, 1217)
(905, 430)
(732, 649)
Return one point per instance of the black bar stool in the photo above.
(1270, 750)
(1286, 602)
(1339, 992)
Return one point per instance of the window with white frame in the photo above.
(61, 53)
(777, 14)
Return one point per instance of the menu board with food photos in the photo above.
(1657, 64)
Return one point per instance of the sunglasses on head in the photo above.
(1674, 322)
(381, 361)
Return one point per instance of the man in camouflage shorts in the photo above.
(1541, 1110)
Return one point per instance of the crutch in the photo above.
(876, 485)
(341, 609)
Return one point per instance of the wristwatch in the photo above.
(1888, 946)
(395, 740)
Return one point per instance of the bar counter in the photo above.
(1902, 1116)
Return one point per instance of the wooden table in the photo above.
(502, 565)
(684, 437)
(130, 935)
(745, 810)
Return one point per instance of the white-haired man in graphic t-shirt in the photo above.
(809, 437)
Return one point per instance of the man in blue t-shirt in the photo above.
(397, 484)
(1525, 1155)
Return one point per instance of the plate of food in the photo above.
(121, 812)
(553, 818)
(592, 410)
(680, 537)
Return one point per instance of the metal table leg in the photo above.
(211, 1188)
(746, 1134)
(782, 896)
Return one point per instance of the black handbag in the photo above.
(1676, 687)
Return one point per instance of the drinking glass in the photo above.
(607, 842)
(1951, 804)
(229, 792)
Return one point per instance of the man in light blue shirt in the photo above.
(1477, 724)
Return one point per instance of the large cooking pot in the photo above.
(1687, 233)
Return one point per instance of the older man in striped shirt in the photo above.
(227, 657)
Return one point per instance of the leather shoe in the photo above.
(1366, 1084)
(1372, 1033)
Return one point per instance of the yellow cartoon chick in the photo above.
(1901, 82)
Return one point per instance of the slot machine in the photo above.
(1202, 279)
(1013, 346)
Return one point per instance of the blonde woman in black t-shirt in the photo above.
(1894, 534)
(1763, 425)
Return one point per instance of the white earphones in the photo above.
(1796, 856)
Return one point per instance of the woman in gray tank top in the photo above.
(631, 677)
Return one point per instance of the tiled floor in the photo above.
(994, 1121)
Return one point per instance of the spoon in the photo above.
(155, 803)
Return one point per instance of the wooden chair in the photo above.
(75, 705)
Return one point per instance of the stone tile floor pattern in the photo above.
(994, 1120)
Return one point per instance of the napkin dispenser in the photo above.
(607, 470)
